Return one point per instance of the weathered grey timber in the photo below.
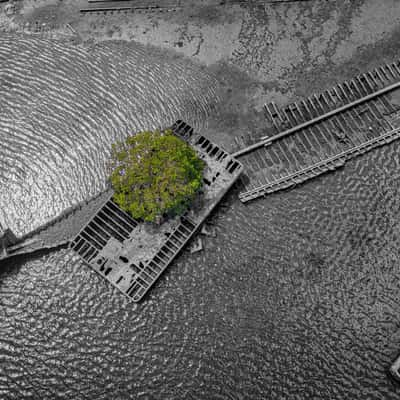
(115, 6)
(322, 132)
(7, 239)
(106, 7)
(394, 369)
(131, 254)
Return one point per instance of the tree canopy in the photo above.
(155, 174)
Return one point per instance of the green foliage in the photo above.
(155, 174)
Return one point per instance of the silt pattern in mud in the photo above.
(62, 106)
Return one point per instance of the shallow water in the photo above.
(296, 298)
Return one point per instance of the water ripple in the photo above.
(63, 106)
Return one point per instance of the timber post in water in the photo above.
(7, 238)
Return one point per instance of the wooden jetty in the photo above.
(321, 133)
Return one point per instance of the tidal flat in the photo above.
(296, 297)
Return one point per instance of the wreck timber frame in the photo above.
(105, 243)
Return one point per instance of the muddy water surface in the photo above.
(297, 298)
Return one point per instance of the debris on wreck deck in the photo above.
(131, 254)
